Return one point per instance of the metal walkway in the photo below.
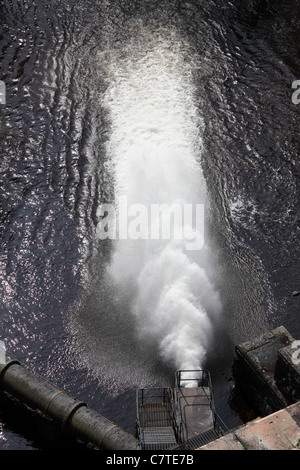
(156, 418)
(200, 440)
(179, 418)
(194, 401)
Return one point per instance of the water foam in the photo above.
(155, 157)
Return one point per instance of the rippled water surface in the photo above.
(89, 84)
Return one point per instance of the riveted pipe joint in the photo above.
(66, 413)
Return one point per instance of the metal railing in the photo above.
(154, 395)
(197, 379)
(155, 410)
(219, 425)
(159, 408)
(200, 377)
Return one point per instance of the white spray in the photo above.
(155, 152)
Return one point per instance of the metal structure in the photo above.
(156, 418)
(179, 418)
(194, 402)
(183, 417)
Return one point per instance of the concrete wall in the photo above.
(264, 373)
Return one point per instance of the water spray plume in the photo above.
(155, 157)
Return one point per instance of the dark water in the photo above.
(54, 313)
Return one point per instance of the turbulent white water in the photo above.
(155, 157)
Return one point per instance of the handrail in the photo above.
(203, 380)
(155, 395)
(174, 397)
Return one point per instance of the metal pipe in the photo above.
(67, 414)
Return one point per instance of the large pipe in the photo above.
(66, 413)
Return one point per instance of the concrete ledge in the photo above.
(254, 372)
(228, 442)
(287, 374)
(277, 431)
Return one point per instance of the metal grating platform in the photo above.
(200, 440)
(180, 418)
(156, 419)
(159, 438)
(194, 406)
(155, 414)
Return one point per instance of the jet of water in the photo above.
(155, 149)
